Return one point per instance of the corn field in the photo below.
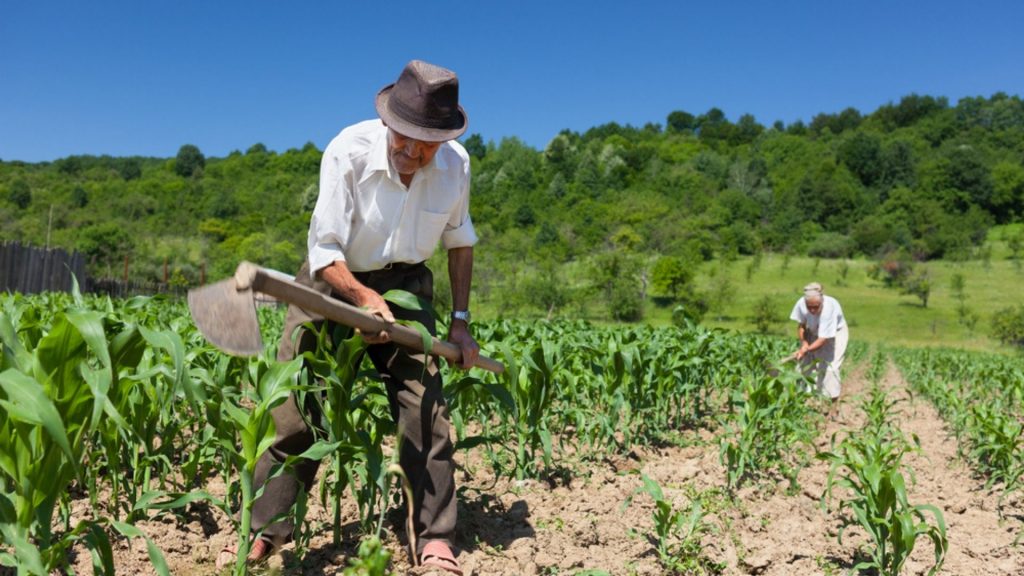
(125, 399)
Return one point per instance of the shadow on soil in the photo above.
(486, 523)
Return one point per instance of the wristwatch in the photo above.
(461, 315)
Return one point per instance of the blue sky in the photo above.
(140, 77)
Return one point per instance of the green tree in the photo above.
(546, 289)
(957, 286)
(671, 276)
(911, 108)
(626, 303)
(20, 194)
(967, 174)
(680, 121)
(861, 153)
(898, 167)
(560, 155)
(475, 146)
(1007, 191)
(893, 269)
(747, 130)
(919, 284)
(1015, 242)
(189, 161)
(72, 165)
(848, 119)
(965, 316)
(720, 292)
(106, 243)
(615, 275)
(79, 197)
(713, 126)
(765, 314)
(130, 169)
(1008, 325)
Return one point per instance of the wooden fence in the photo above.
(120, 289)
(31, 270)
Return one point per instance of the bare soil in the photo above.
(580, 522)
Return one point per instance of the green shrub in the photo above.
(1008, 325)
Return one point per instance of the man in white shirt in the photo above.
(391, 189)
(823, 336)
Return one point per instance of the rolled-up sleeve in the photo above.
(329, 228)
(459, 232)
(797, 315)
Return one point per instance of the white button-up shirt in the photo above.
(827, 323)
(366, 217)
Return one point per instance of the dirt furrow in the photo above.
(580, 522)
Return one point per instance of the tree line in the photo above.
(634, 208)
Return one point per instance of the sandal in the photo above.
(261, 550)
(437, 554)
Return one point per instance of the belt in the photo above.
(391, 268)
(398, 266)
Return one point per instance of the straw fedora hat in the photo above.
(424, 103)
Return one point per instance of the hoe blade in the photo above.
(227, 317)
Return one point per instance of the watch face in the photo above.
(461, 315)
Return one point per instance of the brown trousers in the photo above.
(417, 406)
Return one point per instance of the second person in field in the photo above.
(823, 335)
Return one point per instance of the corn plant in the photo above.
(880, 410)
(372, 559)
(677, 533)
(876, 370)
(981, 397)
(996, 445)
(770, 418)
(869, 467)
(54, 395)
(532, 387)
(354, 422)
(247, 434)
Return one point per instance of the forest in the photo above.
(625, 212)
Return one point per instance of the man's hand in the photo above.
(459, 335)
(804, 349)
(375, 304)
(351, 290)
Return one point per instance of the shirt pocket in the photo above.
(430, 227)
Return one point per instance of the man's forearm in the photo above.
(355, 292)
(343, 282)
(460, 271)
(816, 344)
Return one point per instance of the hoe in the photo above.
(225, 313)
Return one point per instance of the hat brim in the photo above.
(416, 131)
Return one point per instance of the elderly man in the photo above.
(390, 190)
(823, 336)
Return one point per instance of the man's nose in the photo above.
(411, 147)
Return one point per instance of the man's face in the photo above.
(408, 155)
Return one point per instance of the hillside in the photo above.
(630, 213)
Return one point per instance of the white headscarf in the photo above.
(813, 291)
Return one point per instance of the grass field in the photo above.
(875, 313)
